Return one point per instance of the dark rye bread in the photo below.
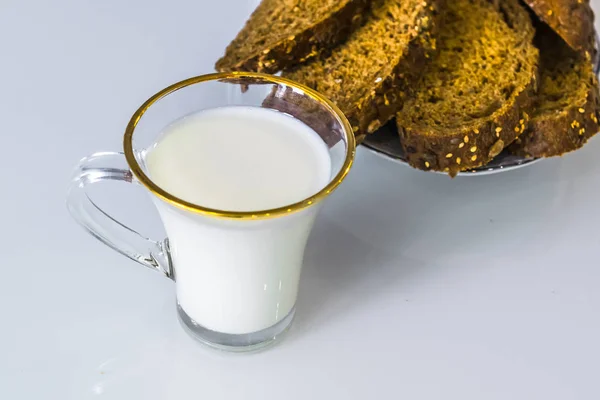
(281, 33)
(368, 75)
(473, 98)
(573, 20)
(566, 109)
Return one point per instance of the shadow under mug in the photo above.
(236, 273)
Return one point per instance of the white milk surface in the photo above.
(240, 159)
(238, 276)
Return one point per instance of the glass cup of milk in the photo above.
(238, 165)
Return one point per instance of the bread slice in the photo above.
(368, 75)
(573, 20)
(567, 105)
(473, 98)
(281, 33)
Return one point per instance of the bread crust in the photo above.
(573, 20)
(297, 47)
(469, 147)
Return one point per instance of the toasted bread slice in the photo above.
(473, 98)
(367, 75)
(567, 105)
(281, 33)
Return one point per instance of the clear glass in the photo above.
(236, 273)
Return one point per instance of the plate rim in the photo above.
(481, 171)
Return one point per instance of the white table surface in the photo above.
(428, 288)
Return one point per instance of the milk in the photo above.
(240, 159)
(237, 276)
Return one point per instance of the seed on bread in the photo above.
(496, 149)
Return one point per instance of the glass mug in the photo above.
(236, 273)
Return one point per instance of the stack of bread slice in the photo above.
(465, 79)
(473, 98)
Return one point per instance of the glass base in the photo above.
(235, 342)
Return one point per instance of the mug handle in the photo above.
(112, 166)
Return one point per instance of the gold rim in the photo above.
(138, 172)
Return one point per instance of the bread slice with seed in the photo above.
(573, 20)
(281, 33)
(368, 75)
(567, 105)
(474, 96)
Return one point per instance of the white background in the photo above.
(415, 286)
